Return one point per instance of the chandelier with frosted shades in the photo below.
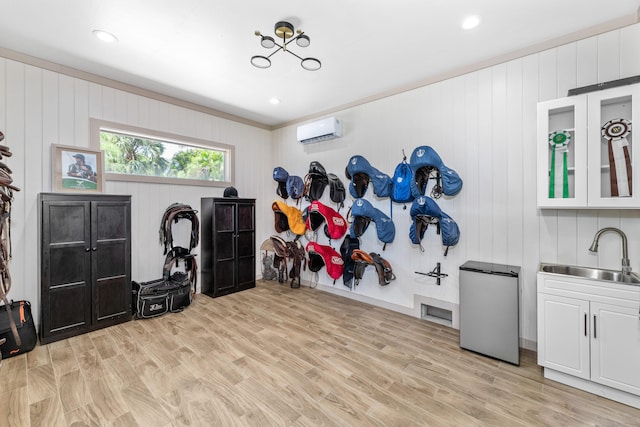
(285, 31)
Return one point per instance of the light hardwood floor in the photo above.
(275, 356)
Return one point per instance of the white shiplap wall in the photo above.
(41, 107)
(483, 124)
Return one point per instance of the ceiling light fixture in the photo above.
(284, 30)
(471, 22)
(105, 36)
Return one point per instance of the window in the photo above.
(142, 155)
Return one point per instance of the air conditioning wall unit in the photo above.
(321, 130)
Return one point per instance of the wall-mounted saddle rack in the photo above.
(434, 273)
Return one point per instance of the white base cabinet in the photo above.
(589, 335)
(615, 347)
(563, 344)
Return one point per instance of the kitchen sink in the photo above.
(591, 273)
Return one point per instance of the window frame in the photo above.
(97, 126)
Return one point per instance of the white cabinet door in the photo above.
(615, 346)
(587, 152)
(562, 153)
(613, 153)
(563, 334)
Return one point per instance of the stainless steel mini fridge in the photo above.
(489, 310)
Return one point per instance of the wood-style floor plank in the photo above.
(276, 356)
(47, 412)
(14, 407)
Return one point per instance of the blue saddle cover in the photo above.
(359, 166)
(426, 157)
(362, 209)
(426, 208)
(295, 186)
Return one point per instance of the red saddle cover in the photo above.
(320, 255)
(336, 226)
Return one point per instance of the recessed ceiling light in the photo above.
(274, 101)
(105, 36)
(470, 22)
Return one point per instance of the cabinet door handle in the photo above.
(94, 249)
(585, 324)
(594, 326)
(87, 249)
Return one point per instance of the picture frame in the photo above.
(77, 169)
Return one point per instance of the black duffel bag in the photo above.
(21, 313)
(157, 297)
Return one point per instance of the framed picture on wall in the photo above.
(77, 169)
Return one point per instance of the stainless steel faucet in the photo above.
(626, 268)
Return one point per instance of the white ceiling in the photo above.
(199, 50)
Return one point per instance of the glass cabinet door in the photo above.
(562, 153)
(613, 182)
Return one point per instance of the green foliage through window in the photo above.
(135, 155)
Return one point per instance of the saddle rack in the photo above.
(434, 273)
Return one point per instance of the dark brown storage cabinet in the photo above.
(228, 245)
(85, 263)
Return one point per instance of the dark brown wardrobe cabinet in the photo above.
(85, 263)
(228, 245)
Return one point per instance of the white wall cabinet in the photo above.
(589, 335)
(586, 150)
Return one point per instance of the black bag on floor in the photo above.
(157, 297)
(21, 313)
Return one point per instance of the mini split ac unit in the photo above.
(321, 130)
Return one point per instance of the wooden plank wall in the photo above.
(483, 124)
(41, 107)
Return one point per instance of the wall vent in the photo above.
(435, 314)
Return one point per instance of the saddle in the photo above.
(288, 185)
(337, 192)
(288, 218)
(427, 164)
(295, 187)
(382, 266)
(335, 225)
(325, 256)
(424, 212)
(361, 260)
(363, 213)
(349, 244)
(315, 181)
(360, 172)
(288, 250)
(280, 175)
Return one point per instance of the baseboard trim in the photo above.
(414, 311)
